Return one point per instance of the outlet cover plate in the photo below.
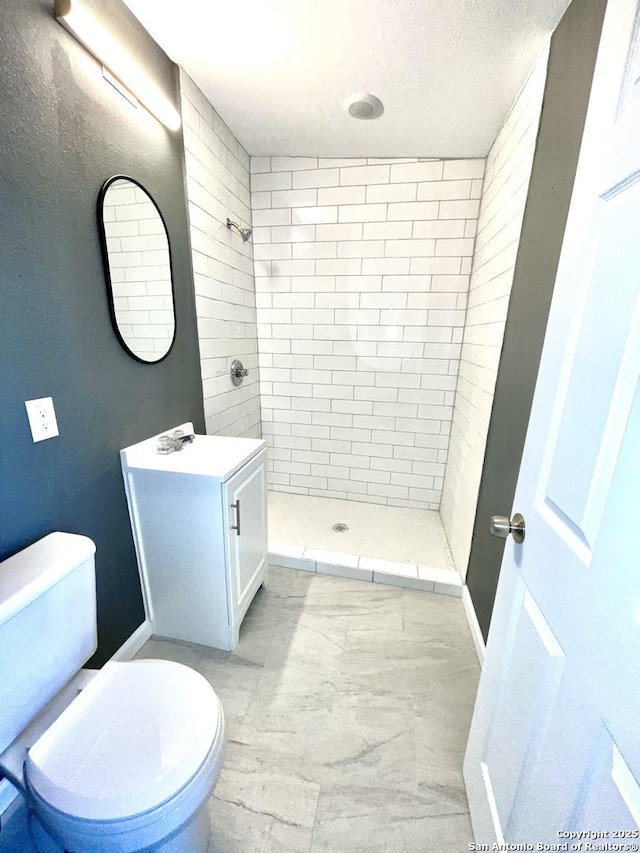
(42, 418)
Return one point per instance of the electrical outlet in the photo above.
(42, 418)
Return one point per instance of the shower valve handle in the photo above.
(238, 372)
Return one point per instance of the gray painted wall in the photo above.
(63, 132)
(573, 51)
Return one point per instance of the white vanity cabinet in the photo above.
(199, 521)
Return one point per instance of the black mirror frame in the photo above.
(107, 270)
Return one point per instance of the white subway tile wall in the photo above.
(139, 270)
(218, 186)
(361, 273)
(502, 208)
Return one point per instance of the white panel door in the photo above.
(246, 513)
(554, 746)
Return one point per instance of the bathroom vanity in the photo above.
(199, 520)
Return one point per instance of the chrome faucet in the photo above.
(176, 441)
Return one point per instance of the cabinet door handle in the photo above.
(236, 526)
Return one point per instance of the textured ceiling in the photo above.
(277, 71)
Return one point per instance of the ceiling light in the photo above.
(74, 18)
(363, 105)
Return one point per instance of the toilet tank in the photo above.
(47, 624)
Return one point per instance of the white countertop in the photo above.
(207, 456)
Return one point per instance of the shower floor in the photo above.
(403, 547)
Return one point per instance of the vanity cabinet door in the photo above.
(246, 514)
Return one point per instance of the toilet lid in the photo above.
(134, 736)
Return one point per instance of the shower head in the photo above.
(245, 233)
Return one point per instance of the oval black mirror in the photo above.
(137, 264)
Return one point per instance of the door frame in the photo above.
(572, 57)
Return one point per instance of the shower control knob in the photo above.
(238, 372)
(501, 527)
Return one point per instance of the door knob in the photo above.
(501, 527)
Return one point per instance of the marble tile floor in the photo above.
(391, 545)
(347, 707)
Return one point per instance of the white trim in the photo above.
(493, 806)
(474, 625)
(135, 642)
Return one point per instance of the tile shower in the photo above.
(352, 300)
(362, 273)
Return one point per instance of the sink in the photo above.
(208, 456)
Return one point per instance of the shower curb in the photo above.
(355, 567)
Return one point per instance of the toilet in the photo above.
(119, 760)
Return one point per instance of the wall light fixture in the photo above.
(101, 45)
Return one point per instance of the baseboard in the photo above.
(472, 619)
(135, 642)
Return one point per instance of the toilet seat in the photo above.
(133, 739)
